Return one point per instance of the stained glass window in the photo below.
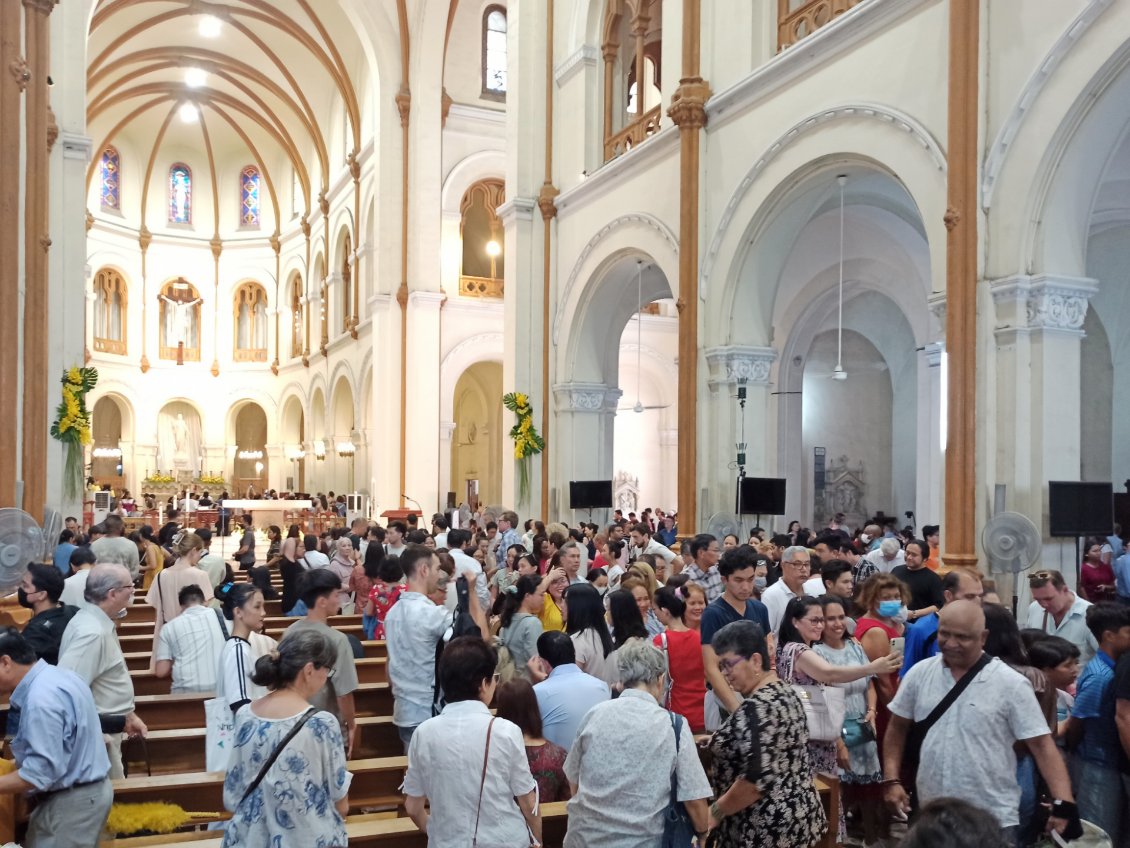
(180, 194)
(249, 197)
(494, 51)
(111, 179)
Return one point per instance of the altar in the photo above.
(264, 513)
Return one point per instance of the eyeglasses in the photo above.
(1038, 578)
(814, 620)
(729, 665)
(126, 586)
(328, 669)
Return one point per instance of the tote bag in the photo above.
(219, 734)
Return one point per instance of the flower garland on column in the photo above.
(527, 441)
(72, 425)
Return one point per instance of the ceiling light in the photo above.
(195, 77)
(210, 26)
(189, 113)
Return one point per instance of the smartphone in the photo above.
(898, 644)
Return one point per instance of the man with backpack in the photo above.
(922, 635)
(414, 627)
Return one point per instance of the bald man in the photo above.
(967, 751)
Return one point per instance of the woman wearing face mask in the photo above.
(884, 598)
(801, 626)
(760, 577)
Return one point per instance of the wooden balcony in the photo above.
(480, 287)
(114, 346)
(806, 17)
(637, 132)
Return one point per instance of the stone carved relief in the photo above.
(1057, 311)
(626, 492)
(734, 363)
(587, 397)
(845, 490)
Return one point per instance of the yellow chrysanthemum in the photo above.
(74, 376)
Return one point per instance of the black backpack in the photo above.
(463, 624)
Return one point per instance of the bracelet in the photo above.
(891, 781)
(715, 813)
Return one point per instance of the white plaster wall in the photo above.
(463, 69)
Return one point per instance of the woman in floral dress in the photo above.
(761, 772)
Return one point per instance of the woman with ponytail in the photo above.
(683, 648)
(287, 782)
(243, 606)
(521, 625)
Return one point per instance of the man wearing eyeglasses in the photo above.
(91, 650)
(1058, 611)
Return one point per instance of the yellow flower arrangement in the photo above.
(527, 441)
(159, 479)
(72, 425)
(213, 480)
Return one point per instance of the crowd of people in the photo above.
(668, 691)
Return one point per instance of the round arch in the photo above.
(478, 166)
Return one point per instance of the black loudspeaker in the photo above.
(1080, 509)
(763, 496)
(590, 494)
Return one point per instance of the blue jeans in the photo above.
(1102, 797)
(1026, 777)
(368, 624)
(406, 735)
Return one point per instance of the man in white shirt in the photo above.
(114, 547)
(795, 565)
(211, 564)
(394, 538)
(567, 693)
(82, 560)
(1058, 611)
(91, 650)
(888, 555)
(460, 544)
(189, 646)
(313, 558)
(642, 543)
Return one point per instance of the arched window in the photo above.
(347, 284)
(180, 321)
(483, 258)
(494, 52)
(249, 197)
(297, 317)
(111, 180)
(249, 314)
(180, 194)
(110, 300)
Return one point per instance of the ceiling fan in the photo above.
(638, 406)
(838, 373)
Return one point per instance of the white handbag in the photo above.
(824, 708)
(219, 734)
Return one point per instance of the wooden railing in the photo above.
(805, 19)
(637, 132)
(480, 287)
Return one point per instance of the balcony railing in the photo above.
(637, 132)
(806, 18)
(480, 287)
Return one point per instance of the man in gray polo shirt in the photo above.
(115, 547)
(968, 753)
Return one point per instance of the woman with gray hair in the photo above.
(621, 764)
(287, 782)
(762, 777)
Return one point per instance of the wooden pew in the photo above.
(182, 749)
(364, 831)
(146, 683)
(169, 712)
(139, 660)
(131, 627)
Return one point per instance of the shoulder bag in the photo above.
(912, 751)
(678, 831)
(275, 754)
(482, 783)
(824, 706)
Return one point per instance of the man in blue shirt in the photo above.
(736, 570)
(507, 536)
(922, 635)
(1102, 798)
(59, 749)
(567, 693)
(63, 552)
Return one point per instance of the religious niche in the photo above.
(483, 265)
(249, 315)
(180, 321)
(626, 492)
(845, 490)
(110, 300)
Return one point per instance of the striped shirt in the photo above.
(233, 676)
(193, 641)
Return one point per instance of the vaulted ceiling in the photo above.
(280, 84)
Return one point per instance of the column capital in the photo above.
(517, 209)
(688, 104)
(1042, 302)
(586, 397)
(734, 363)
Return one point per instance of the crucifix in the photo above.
(180, 318)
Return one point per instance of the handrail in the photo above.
(637, 132)
(807, 18)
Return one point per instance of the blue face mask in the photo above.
(889, 609)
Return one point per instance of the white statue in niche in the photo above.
(178, 438)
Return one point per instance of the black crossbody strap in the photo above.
(275, 753)
(223, 625)
(924, 726)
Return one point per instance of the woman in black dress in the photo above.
(761, 774)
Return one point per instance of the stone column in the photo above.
(446, 433)
(423, 399)
(731, 367)
(1039, 330)
(931, 456)
(586, 415)
(37, 241)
